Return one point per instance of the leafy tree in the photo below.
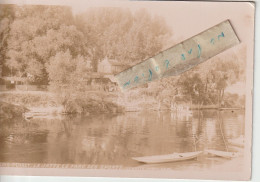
(119, 34)
(29, 32)
(192, 87)
(6, 18)
(67, 77)
(206, 83)
(66, 71)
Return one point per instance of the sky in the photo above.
(185, 18)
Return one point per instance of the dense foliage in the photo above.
(34, 36)
(50, 45)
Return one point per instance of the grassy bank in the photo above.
(29, 99)
(197, 107)
(8, 111)
(49, 103)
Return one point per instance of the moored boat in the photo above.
(168, 157)
(222, 153)
(238, 142)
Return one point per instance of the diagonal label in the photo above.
(181, 57)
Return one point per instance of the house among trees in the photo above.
(104, 78)
(111, 66)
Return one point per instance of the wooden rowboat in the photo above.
(222, 153)
(168, 157)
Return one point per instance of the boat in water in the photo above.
(168, 157)
(224, 154)
(238, 142)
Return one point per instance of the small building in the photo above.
(111, 66)
(104, 78)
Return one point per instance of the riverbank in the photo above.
(47, 103)
(198, 107)
(41, 103)
(8, 111)
(29, 98)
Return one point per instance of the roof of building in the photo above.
(114, 62)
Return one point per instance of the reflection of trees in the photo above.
(182, 129)
(233, 123)
(67, 124)
(217, 127)
(210, 135)
(22, 141)
(114, 139)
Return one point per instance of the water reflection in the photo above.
(115, 139)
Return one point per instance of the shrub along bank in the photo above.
(8, 111)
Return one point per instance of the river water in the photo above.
(113, 139)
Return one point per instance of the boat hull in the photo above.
(238, 142)
(167, 158)
(222, 153)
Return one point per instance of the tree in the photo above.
(119, 34)
(30, 38)
(192, 87)
(206, 83)
(65, 71)
(6, 18)
(67, 77)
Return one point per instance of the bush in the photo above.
(29, 99)
(87, 103)
(11, 111)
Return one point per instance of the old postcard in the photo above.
(151, 89)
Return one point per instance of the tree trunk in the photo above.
(26, 85)
(219, 98)
(222, 96)
(190, 100)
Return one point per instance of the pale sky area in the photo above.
(185, 18)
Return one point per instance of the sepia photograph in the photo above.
(66, 101)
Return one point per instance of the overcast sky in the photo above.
(185, 18)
